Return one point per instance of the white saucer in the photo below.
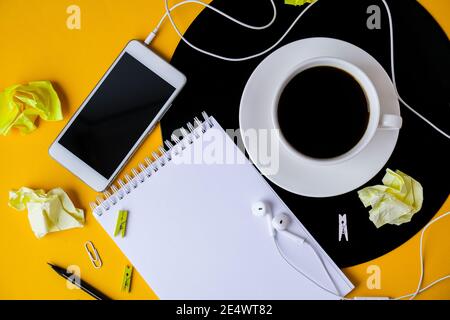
(298, 176)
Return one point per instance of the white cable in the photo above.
(411, 296)
(423, 289)
(243, 24)
(222, 14)
(292, 265)
(418, 290)
(169, 15)
(391, 31)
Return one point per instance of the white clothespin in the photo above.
(343, 227)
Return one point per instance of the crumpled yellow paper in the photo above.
(298, 2)
(394, 202)
(47, 212)
(20, 105)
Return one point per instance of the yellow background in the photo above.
(37, 45)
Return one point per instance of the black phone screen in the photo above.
(117, 115)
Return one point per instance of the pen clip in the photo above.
(93, 255)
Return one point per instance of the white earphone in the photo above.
(281, 223)
(261, 209)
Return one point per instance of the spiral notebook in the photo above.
(191, 233)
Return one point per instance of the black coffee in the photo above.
(323, 112)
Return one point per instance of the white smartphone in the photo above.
(117, 115)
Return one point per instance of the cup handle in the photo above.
(390, 122)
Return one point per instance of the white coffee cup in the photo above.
(377, 120)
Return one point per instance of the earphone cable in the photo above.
(223, 14)
(293, 266)
(411, 296)
(214, 55)
(421, 258)
(394, 81)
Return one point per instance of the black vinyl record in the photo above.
(422, 54)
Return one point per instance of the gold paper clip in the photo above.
(93, 255)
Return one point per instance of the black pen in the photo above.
(79, 283)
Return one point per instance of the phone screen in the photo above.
(117, 115)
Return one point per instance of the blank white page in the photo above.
(191, 233)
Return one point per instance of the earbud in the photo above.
(261, 209)
(280, 223)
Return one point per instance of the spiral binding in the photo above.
(151, 165)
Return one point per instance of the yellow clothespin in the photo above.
(121, 224)
(93, 255)
(298, 2)
(126, 281)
